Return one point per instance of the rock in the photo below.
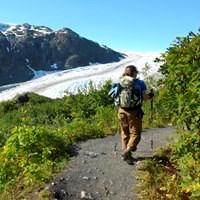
(91, 154)
(86, 178)
(22, 99)
(59, 194)
(85, 195)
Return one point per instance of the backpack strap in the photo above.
(137, 81)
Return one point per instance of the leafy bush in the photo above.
(30, 155)
(7, 106)
(181, 86)
(158, 178)
(36, 135)
(85, 103)
(187, 148)
(179, 97)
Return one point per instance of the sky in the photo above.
(122, 25)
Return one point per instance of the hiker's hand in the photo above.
(151, 94)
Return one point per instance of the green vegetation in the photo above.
(36, 137)
(174, 172)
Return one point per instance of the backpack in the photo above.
(130, 93)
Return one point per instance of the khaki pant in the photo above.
(131, 128)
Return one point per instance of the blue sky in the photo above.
(123, 25)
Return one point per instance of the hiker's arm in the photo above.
(146, 96)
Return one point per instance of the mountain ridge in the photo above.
(27, 48)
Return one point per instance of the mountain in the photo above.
(26, 49)
(4, 27)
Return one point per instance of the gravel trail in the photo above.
(98, 172)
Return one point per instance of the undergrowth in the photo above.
(174, 172)
(159, 179)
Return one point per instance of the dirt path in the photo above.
(99, 173)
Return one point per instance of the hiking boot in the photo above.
(134, 149)
(130, 161)
(126, 155)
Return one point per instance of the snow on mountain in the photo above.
(20, 29)
(54, 85)
(4, 26)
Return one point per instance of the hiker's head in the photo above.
(130, 70)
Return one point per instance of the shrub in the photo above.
(30, 155)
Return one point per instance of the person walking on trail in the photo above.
(132, 92)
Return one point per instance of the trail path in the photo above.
(99, 173)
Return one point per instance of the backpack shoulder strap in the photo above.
(138, 86)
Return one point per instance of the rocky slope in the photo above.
(26, 48)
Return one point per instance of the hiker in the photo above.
(132, 92)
